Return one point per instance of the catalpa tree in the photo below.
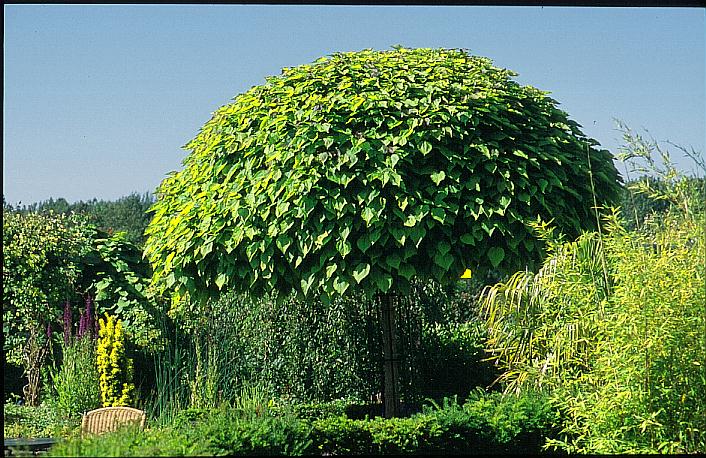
(367, 169)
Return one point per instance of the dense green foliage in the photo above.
(308, 351)
(616, 326)
(614, 323)
(366, 169)
(483, 424)
(51, 259)
(116, 276)
(128, 214)
(41, 269)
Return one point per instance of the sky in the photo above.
(100, 99)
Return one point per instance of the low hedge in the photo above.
(490, 423)
(485, 423)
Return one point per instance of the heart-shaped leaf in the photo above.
(496, 256)
(361, 271)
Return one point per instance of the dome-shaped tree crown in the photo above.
(366, 169)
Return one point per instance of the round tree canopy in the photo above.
(365, 169)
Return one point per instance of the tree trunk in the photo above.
(35, 352)
(391, 394)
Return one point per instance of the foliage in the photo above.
(115, 369)
(311, 352)
(40, 269)
(130, 441)
(615, 323)
(40, 421)
(646, 390)
(540, 325)
(75, 384)
(128, 214)
(624, 356)
(212, 432)
(452, 359)
(49, 259)
(230, 433)
(173, 368)
(367, 169)
(486, 423)
(41, 256)
(117, 277)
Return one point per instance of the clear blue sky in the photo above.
(99, 99)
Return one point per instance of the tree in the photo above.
(129, 214)
(41, 266)
(366, 169)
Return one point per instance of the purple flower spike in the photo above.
(81, 325)
(49, 331)
(89, 315)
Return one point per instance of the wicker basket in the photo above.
(111, 418)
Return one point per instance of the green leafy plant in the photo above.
(130, 441)
(485, 423)
(614, 323)
(40, 421)
(75, 384)
(117, 277)
(365, 170)
(453, 359)
(41, 256)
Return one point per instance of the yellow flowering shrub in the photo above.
(114, 367)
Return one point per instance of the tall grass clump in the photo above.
(173, 365)
(614, 326)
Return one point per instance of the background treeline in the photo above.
(127, 214)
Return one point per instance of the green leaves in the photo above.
(438, 177)
(496, 255)
(425, 148)
(361, 271)
(328, 161)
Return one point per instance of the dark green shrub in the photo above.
(226, 433)
(451, 361)
(311, 352)
(341, 436)
(487, 423)
(484, 424)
